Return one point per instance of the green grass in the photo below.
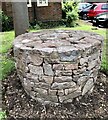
(101, 31)
(6, 64)
(2, 115)
(7, 38)
(6, 41)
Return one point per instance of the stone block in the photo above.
(58, 66)
(60, 92)
(27, 84)
(48, 79)
(89, 84)
(83, 60)
(63, 73)
(63, 85)
(38, 70)
(52, 92)
(36, 59)
(70, 96)
(70, 90)
(42, 85)
(71, 66)
(82, 80)
(63, 79)
(48, 69)
(40, 91)
(92, 64)
(33, 77)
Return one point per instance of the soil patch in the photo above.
(19, 106)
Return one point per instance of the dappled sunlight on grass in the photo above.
(6, 41)
(6, 66)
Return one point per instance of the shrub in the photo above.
(7, 23)
(71, 10)
(46, 24)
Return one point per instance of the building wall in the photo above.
(51, 12)
(7, 8)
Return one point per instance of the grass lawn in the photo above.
(87, 27)
(7, 38)
(6, 41)
(6, 64)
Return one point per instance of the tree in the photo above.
(20, 16)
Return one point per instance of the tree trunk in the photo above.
(20, 17)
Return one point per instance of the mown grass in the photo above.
(6, 41)
(7, 38)
(2, 115)
(102, 32)
(6, 64)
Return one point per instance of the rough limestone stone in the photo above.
(63, 72)
(89, 84)
(71, 66)
(33, 77)
(36, 59)
(40, 91)
(63, 79)
(56, 66)
(70, 57)
(27, 85)
(48, 79)
(83, 60)
(63, 85)
(70, 96)
(60, 92)
(48, 69)
(42, 85)
(52, 92)
(70, 90)
(38, 70)
(92, 64)
(81, 81)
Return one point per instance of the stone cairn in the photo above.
(56, 66)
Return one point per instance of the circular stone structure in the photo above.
(58, 65)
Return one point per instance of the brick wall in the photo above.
(31, 14)
(7, 8)
(51, 12)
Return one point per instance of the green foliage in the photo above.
(71, 10)
(2, 115)
(6, 66)
(7, 23)
(104, 65)
(37, 25)
(6, 39)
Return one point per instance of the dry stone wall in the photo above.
(58, 65)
